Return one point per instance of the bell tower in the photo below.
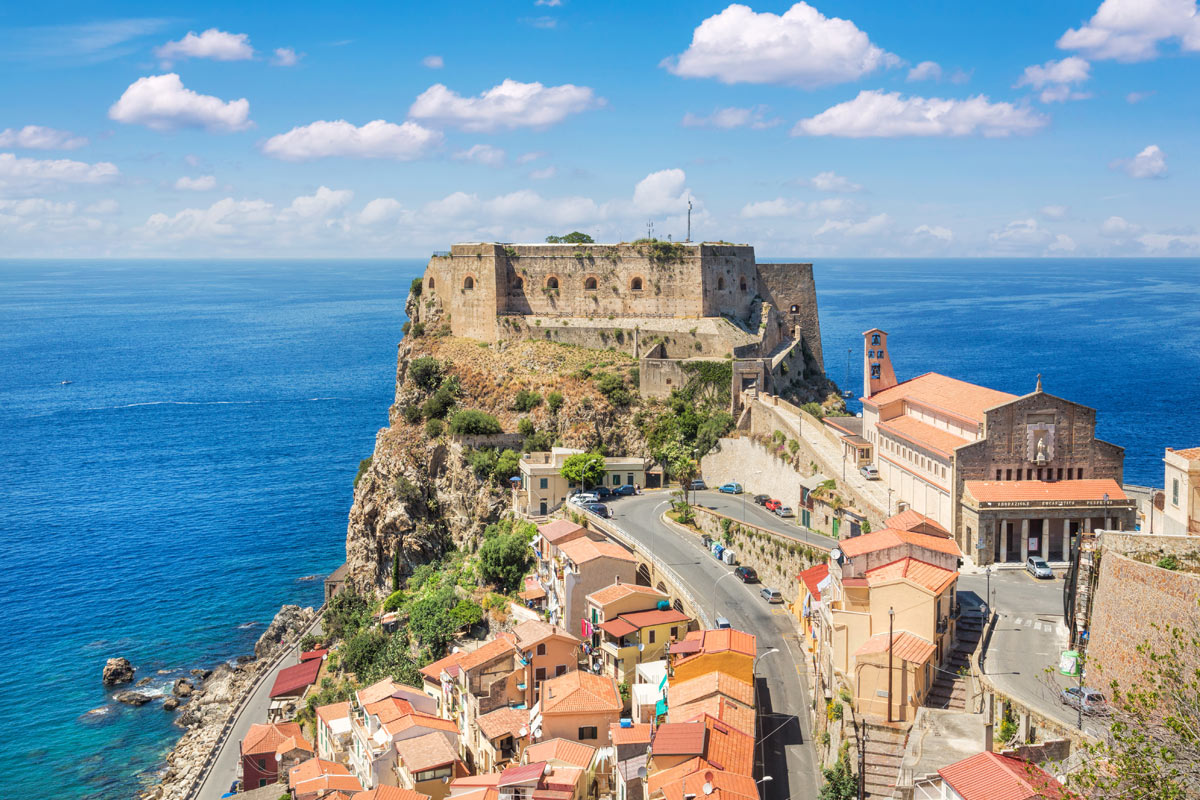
(877, 363)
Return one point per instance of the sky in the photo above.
(838, 128)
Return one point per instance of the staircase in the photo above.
(883, 752)
(949, 690)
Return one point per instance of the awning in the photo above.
(813, 481)
(618, 627)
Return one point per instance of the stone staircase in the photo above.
(949, 690)
(883, 753)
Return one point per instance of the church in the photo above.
(1006, 476)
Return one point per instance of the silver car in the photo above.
(1093, 701)
(771, 595)
(1038, 568)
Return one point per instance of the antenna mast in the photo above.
(689, 232)
(649, 229)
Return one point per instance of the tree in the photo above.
(362, 650)
(415, 287)
(504, 559)
(840, 781)
(613, 388)
(472, 422)
(554, 401)
(586, 469)
(574, 237)
(526, 400)
(426, 372)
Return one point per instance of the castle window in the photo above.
(430, 281)
(874, 338)
(518, 283)
(552, 282)
(468, 282)
(795, 309)
(720, 284)
(742, 284)
(590, 284)
(635, 284)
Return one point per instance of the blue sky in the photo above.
(837, 128)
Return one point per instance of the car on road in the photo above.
(603, 492)
(1093, 701)
(731, 488)
(583, 498)
(698, 484)
(1038, 568)
(759, 499)
(746, 574)
(771, 595)
(628, 490)
(723, 623)
(784, 511)
(869, 472)
(772, 504)
(599, 509)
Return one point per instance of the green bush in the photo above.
(613, 388)
(472, 422)
(426, 372)
(793, 446)
(347, 613)
(538, 442)
(411, 414)
(1168, 562)
(526, 401)
(433, 428)
(813, 408)
(309, 641)
(363, 466)
(362, 650)
(407, 491)
(525, 426)
(395, 600)
(554, 402)
(415, 287)
(507, 465)
(504, 559)
(418, 329)
(440, 402)
(466, 614)
(406, 327)
(574, 237)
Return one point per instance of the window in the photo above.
(1079, 473)
(629, 478)
(616, 479)
(652, 636)
(1029, 473)
(874, 370)
(1070, 473)
(742, 284)
(543, 483)
(635, 284)
(539, 674)
(1175, 491)
(674, 632)
(997, 474)
(262, 782)
(434, 774)
(874, 338)
(468, 282)
(1060, 473)
(561, 669)
(720, 284)
(262, 763)
(590, 284)
(541, 649)
(795, 309)
(879, 354)
(430, 281)
(870, 354)
(1039, 473)
(588, 732)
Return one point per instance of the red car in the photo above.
(772, 504)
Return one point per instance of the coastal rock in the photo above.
(287, 623)
(132, 698)
(182, 688)
(117, 671)
(201, 673)
(143, 681)
(170, 704)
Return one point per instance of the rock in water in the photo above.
(143, 681)
(133, 698)
(182, 688)
(117, 671)
(170, 704)
(288, 621)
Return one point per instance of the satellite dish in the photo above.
(641, 773)
(836, 554)
(546, 770)
(523, 732)
(641, 647)
(708, 788)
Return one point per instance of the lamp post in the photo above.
(753, 672)
(714, 606)
(889, 502)
(891, 622)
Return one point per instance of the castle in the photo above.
(666, 303)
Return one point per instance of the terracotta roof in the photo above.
(991, 776)
(579, 692)
(728, 748)
(269, 737)
(427, 721)
(319, 775)
(616, 591)
(644, 619)
(923, 434)
(561, 530)
(383, 689)
(482, 779)
(737, 715)
(618, 627)
(638, 733)
(935, 579)
(724, 785)
(1040, 491)
(500, 646)
(679, 739)
(566, 751)
(486, 793)
(560, 778)
(582, 551)
(655, 782)
(294, 680)
(522, 773)
(812, 576)
(334, 712)
(944, 393)
(716, 641)
(426, 752)
(449, 664)
(883, 539)
(389, 709)
(535, 630)
(909, 520)
(533, 590)
(390, 793)
(504, 721)
(684, 692)
(905, 646)
(310, 654)
(1189, 453)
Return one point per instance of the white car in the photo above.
(583, 498)
(869, 472)
(1038, 568)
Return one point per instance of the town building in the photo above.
(502, 735)
(290, 685)
(547, 651)
(593, 779)
(987, 776)
(376, 728)
(684, 693)
(581, 567)
(491, 677)
(808, 601)
(427, 764)
(631, 741)
(1181, 505)
(543, 488)
(317, 778)
(333, 732)
(389, 793)
(440, 680)
(578, 706)
(270, 750)
(635, 636)
(1007, 476)
(701, 652)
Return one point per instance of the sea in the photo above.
(179, 440)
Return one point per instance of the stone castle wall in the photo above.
(788, 286)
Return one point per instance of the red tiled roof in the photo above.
(522, 773)
(267, 738)
(655, 782)
(389, 708)
(576, 754)
(533, 631)
(935, 579)
(644, 619)
(728, 748)
(390, 793)
(383, 689)
(991, 776)
(734, 714)
(560, 530)
(923, 434)
(717, 641)
(689, 691)
(812, 576)
(724, 785)
(883, 539)
(582, 551)
(638, 733)
(1039, 491)
(679, 739)
(307, 654)
(496, 648)
(319, 775)
(579, 692)
(294, 680)
(334, 711)
(503, 721)
(944, 393)
(533, 590)
(449, 664)
(905, 646)
(909, 520)
(1190, 453)
(616, 591)
(426, 752)
(618, 627)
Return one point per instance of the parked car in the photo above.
(731, 488)
(771, 595)
(746, 574)
(723, 623)
(583, 498)
(759, 499)
(599, 509)
(625, 491)
(1093, 700)
(698, 484)
(772, 504)
(1038, 568)
(603, 492)
(869, 472)
(784, 511)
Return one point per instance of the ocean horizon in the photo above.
(182, 438)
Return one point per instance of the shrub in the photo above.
(362, 651)
(406, 327)
(525, 426)
(407, 491)
(526, 400)
(813, 408)
(395, 600)
(504, 559)
(363, 466)
(554, 402)
(441, 401)
(466, 614)
(433, 428)
(1168, 562)
(415, 287)
(472, 422)
(778, 437)
(538, 442)
(834, 709)
(426, 372)
(411, 414)
(309, 641)
(613, 388)
(507, 465)
(793, 446)
(483, 462)
(418, 329)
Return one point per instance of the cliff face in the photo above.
(419, 495)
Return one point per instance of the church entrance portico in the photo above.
(1015, 538)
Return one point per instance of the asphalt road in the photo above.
(785, 751)
(743, 507)
(1030, 635)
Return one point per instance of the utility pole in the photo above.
(891, 641)
(649, 229)
(689, 231)
(862, 763)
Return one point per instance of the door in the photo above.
(836, 524)
(805, 518)
(542, 511)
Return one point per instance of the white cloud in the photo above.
(1119, 227)
(36, 207)
(286, 57)
(546, 23)
(510, 105)
(727, 118)
(925, 71)
(378, 139)
(1027, 235)
(544, 174)
(1150, 163)
(766, 209)
(36, 137)
(381, 209)
(106, 206)
(15, 171)
(215, 44)
(1055, 78)
(1131, 30)
(482, 154)
(204, 183)
(938, 232)
(453, 205)
(1172, 243)
(525, 158)
(661, 192)
(223, 218)
(832, 182)
(319, 204)
(433, 62)
(1137, 97)
(161, 102)
(802, 47)
(1062, 244)
(878, 113)
(550, 3)
(1053, 212)
(868, 227)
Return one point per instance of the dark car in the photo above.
(746, 574)
(625, 491)
(599, 509)
(698, 484)
(603, 492)
(760, 499)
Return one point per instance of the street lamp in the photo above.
(889, 502)
(891, 622)
(714, 606)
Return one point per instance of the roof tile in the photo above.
(944, 393)
(991, 776)
(1037, 491)
(883, 539)
(578, 692)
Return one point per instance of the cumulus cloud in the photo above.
(215, 44)
(1136, 97)
(433, 62)
(766, 209)
(661, 192)
(832, 182)
(381, 209)
(1119, 228)
(550, 3)
(1150, 163)
(36, 137)
(1055, 78)
(1171, 243)
(106, 206)
(1131, 30)
(510, 105)
(286, 57)
(482, 154)
(321, 203)
(223, 218)
(942, 234)
(1027, 235)
(802, 48)
(1062, 244)
(925, 71)
(877, 113)
(544, 174)
(378, 139)
(15, 171)
(1053, 211)
(162, 103)
(868, 227)
(204, 183)
(525, 158)
(726, 118)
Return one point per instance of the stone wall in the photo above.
(791, 285)
(777, 559)
(1132, 544)
(658, 377)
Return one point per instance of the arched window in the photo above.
(468, 282)
(720, 284)
(430, 281)
(590, 284)
(635, 284)
(552, 282)
(742, 283)
(795, 309)
(518, 283)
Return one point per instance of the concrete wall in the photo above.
(777, 559)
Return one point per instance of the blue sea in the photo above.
(195, 472)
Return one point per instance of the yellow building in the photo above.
(637, 637)
(701, 652)
(543, 488)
